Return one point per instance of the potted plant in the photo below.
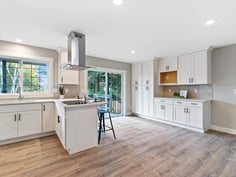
(61, 91)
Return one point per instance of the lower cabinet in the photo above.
(136, 99)
(8, 126)
(191, 114)
(29, 122)
(163, 109)
(147, 101)
(20, 120)
(49, 117)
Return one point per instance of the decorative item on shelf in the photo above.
(177, 95)
(61, 91)
(183, 93)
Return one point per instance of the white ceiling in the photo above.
(153, 28)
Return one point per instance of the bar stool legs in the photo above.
(102, 125)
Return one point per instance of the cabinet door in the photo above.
(147, 100)
(60, 129)
(195, 117)
(8, 125)
(168, 112)
(168, 64)
(29, 122)
(147, 73)
(185, 69)
(136, 99)
(48, 117)
(180, 115)
(136, 74)
(67, 76)
(200, 67)
(159, 111)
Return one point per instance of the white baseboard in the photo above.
(223, 129)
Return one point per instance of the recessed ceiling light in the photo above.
(117, 2)
(18, 40)
(210, 22)
(133, 51)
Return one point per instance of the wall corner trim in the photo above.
(223, 129)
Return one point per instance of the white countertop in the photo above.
(183, 99)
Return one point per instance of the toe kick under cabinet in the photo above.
(191, 114)
(20, 120)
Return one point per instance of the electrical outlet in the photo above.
(195, 91)
(66, 90)
(169, 90)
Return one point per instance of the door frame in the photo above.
(123, 83)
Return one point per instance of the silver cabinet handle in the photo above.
(44, 107)
(147, 81)
(192, 80)
(189, 80)
(15, 117)
(19, 117)
(136, 88)
(61, 79)
(193, 103)
(136, 82)
(147, 88)
(178, 102)
(167, 68)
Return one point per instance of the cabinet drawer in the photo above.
(180, 102)
(194, 104)
(20, 107)
(163, 101)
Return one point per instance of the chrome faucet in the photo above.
(20, 93)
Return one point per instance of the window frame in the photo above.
(33, 59)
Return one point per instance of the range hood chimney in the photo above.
(76, 52)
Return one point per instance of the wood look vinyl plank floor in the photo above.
(143, 149)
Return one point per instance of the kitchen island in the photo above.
(76, 125)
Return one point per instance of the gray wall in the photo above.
(19, 49)
(224, 82)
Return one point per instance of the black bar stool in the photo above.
(102, 126)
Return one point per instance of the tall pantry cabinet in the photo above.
(142, 88)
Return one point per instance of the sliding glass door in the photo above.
(106, 86)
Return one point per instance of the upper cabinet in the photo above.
(147, 73)
(69, 77)
(169, 64)
(195, 68)
(187, 69)
(136, 74)
(168, 71)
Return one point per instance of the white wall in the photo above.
(224, 83)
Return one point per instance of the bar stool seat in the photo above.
(102, 125)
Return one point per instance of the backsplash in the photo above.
(73, 91)
(194, 91)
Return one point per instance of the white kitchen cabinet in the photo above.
(195, 68)
(49, 118)
(29, 122)
(136, 99)
(180, 115)
(20, 120)
(147, 73)
(163, 109)
(191, 113)
(147, 100)
(142, 88)
(8, 126)
(168, 64)
(69, 77)
(136, 74)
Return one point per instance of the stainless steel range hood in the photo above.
(76, 52)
